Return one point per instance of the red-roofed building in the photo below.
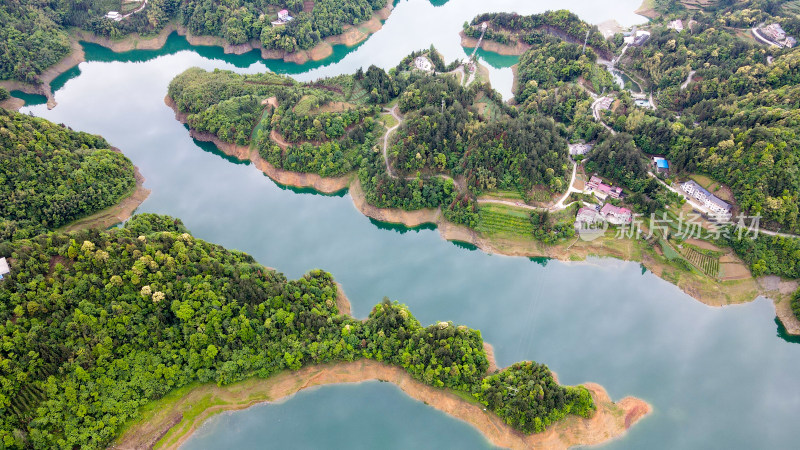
(602, 190)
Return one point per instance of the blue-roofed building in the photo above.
(662, 165)
(4, 269)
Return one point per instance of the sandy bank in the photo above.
(113, 215)
(245, 153)
(342, 302)
(610, 421)
(351, 36)
(647, 9)
(75, 57)
(699, 287)
(12, 104)
(491, 46)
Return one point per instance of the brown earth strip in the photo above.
(12, 103)
(166, 426)
(113, 215)
(135, 41)
(738, 286)
(491, 46)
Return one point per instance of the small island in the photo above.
(105, 322)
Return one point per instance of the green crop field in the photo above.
(709, 265)
(505, 221)
(792, 7)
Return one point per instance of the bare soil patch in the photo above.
(333, 107)
(115, 214)
(518, 48)
(610, 421)
(12, 104)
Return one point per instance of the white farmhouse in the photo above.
(710, 201)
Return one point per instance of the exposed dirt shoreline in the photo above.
(491, 46)
(114, 214)
(167, 427)
(352, 35)
(712, 294)
(246, 153)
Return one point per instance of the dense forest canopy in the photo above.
(737, 120)
(33, 34)
(51, 175)
(96, 324)
(330, 127)
(506, 28)
(30, 40)
(512, 153)
(549, 64)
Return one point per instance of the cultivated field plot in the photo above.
(707, 263)
(504, 221)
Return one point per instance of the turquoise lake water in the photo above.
(716, 377)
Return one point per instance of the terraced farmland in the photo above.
(504, 220)
(709, 265)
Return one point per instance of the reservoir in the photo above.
(716, 377)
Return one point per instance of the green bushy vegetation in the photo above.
(31, 40)
(738, 118)
(500, 220)
(51, 175)
(96, 324)
(524, 397)
(506, 27)
(329, 127)
(509, 152)
(553, 62)
(795, 302)
(767, 255)
(35, 33)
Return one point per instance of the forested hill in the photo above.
(507, 28)
(96, 324)
(737, 119)
(33, 34)
(51, 175)
(332, 127)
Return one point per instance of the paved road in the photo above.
(701, 208)
(759, 37)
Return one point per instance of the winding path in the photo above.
(699, 207)
(688, 79)
(759, 37)
(558, 206)
(596, 114)
(399, 119)
(139, 9)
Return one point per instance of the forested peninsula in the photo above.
(441, 146)
(41, 39)
(97, 324)
(53, 177)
